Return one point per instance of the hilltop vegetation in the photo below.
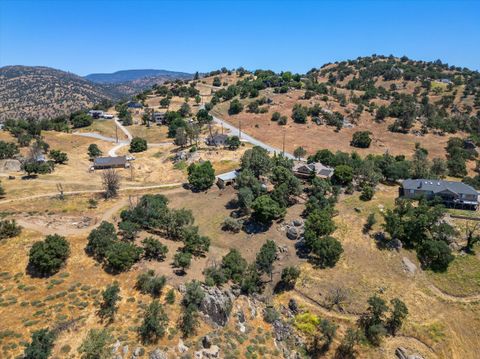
(42, 92)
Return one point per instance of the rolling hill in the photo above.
(37, 92)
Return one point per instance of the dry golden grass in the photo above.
(314, 137)
(103, 127)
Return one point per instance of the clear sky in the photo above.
(105, 36)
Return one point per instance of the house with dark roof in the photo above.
(453, 194)
(306, 170)
(101, 163)
(216, 140)
(134, 105)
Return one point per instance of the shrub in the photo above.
(149, 283)
(276, 116)
(97, 344)
(48, 256)
(265, 209)
(282, 121)
(234, 265)
(110, 297)
(7, 150)
(231, 225)
(327, 251)
(94, 151)
(58, 157)
(233, 142)
(100, 239)
(41, 345)
(170, 296)
(9, 229)
(154, 323)
(370, 223)
(435, 255)
(289, 277)
(270, 315)
(182, 260)
(367, 193)
(361, 139)
(201, 175)
(121, 256)
(81, 120)
(235, 107)
(138, 145)
(299, 114)
(153, 249)
(343, 175)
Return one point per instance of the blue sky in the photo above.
(105, 36)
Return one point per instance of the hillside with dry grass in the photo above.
(400, 101)
(42, 92)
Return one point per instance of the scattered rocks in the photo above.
(401, 353)
(241, 327)
(158, 354)
(212, 352)
(217, 305)
(241, 316)
(297, 222)
(182, 348)
(115, 346)
(137, 353)
(181, 288)
(358, 210)
(206, 342)
(395, 244)
(409, 266)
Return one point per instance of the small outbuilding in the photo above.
(101, 163)
(226, 179)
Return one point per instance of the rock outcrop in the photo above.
(217, 305)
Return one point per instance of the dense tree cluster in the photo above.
(421, 227)
(104, 245)
(152, 214)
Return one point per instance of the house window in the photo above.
(412, 191)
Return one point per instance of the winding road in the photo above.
(247, 138)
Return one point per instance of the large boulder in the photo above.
(293, 233)
(409, 266)
(401, 353)
(217, 305)
(158, 354)
(10, 165)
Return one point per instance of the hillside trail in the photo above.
(453, 298)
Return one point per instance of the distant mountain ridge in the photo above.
(132, 75)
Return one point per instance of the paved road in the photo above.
(247, 138)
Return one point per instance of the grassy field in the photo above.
(103, 127)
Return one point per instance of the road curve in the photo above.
(245, 137)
